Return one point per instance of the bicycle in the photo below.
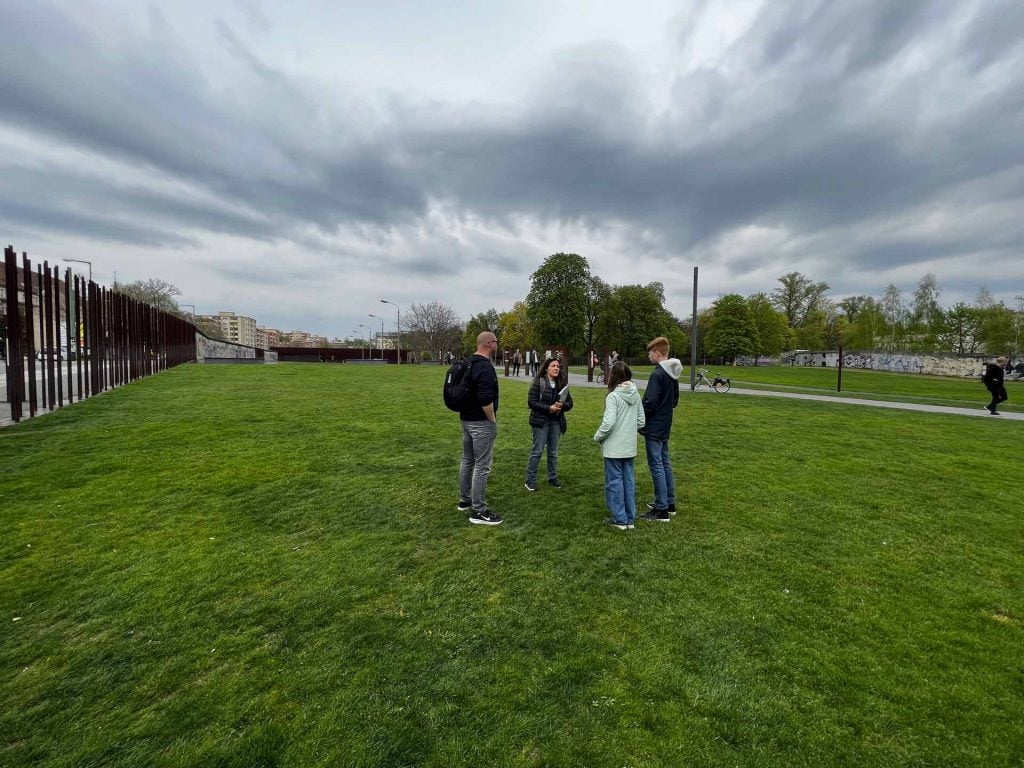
(718, 384)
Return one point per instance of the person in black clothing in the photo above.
(547, 420)
(660, 398)
(993, 380)
(479, 418)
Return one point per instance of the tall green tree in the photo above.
(962, 334)
(997, 328)
(635, 315)
(894, 310)
(557, 302)
(731, 331)
(485, 321)
(797, 297)
(864, 322)
(597, 302)
(773, 332)
(516, 329)
(925, 315)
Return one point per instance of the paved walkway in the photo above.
(580, 380)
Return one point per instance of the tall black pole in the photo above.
(693, 336)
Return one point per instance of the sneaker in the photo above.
(671, 507)
(658, 516)
(554, 484)
(996, 413)
(621, 526)
(531, 487)
(487, 517)
(464, 506)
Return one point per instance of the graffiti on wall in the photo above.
(935, 365)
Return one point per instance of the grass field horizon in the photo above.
(957, 392)
(264, 566)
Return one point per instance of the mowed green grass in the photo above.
(859, 384)
(263, 566)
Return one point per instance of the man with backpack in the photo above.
(477, 400)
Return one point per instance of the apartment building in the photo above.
(237, 328)
(268, 337)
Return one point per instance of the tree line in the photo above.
(567, 307)
(571, 307)
(800, 315)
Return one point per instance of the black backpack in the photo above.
(458, 384)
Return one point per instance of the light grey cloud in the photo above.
(824, 124)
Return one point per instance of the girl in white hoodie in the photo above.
(623, 416)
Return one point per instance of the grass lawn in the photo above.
(860, 384)
(263, 566)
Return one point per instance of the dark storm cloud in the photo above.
(823, 116)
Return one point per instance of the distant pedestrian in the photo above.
(660, 398)
(479, 418)
(517, 359)
(993, 381)
(547, 420)
(623, 416)
(613, 358)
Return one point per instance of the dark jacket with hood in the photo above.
(660, 398)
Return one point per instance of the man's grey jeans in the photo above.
(478, 438)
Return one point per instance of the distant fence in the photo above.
(90, 338)
(338, 355)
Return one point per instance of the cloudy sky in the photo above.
(296, 162)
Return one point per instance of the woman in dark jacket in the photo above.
(547, 420)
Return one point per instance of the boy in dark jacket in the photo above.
(993, 380)
(660, 398)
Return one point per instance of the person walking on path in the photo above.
(660, 399)
(993, 380)
(479, 418)
(517, 360)
(623, 416)
(547, 420)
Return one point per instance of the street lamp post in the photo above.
(82, 261)
(193, 311)
(398, 329)
(367, 336)
(1020, 315)
(381, 334)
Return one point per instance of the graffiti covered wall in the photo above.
(899, 362)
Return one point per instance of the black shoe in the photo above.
(621, 526)
(671, 507)
(658, 516)
(464, 506)
(531, 487)
(996, 413)
(487, 517)
(554, 484)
